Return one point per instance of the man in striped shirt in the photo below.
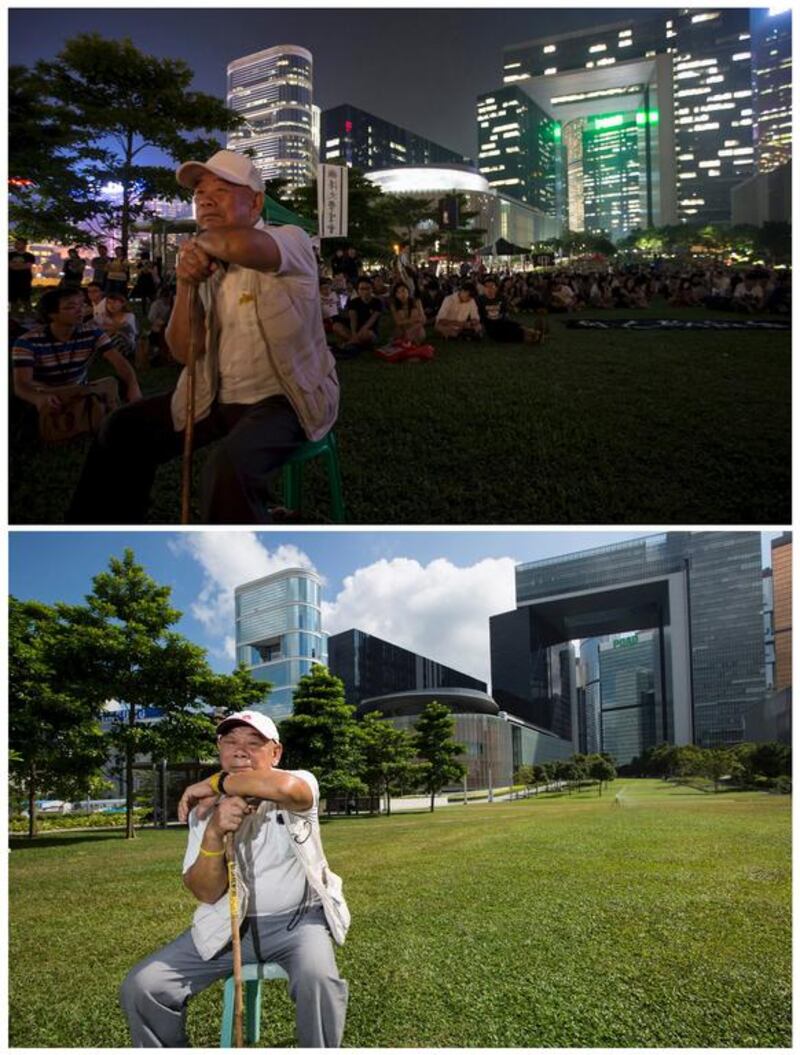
(59, 351)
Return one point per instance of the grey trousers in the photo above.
(155, 992)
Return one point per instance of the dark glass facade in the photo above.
(367, 142)
(533, 677)
(519, 148)
(369, 666)
(719, 627)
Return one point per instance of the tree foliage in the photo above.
(321, 734)
(127, 651)
(437, 749)
(56, 746)
(99, 106)
(387, 757)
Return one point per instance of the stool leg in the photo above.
(292, 484)
(226, 1031)
(252, 1011)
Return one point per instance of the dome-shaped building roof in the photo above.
(414, 701)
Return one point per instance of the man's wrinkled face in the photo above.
(241, 747)
(218, 203)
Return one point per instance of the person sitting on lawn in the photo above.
(118, 321)
(407, 315)
(59, 351)
(363, 315)
(498, 326)
(291, 904)
(459, 315)
(329, 304)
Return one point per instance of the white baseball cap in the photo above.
(227, 164)
(262, 723)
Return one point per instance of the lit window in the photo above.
(597, 47)
(624, 43)
(705, 17)
(550, 69)
(548, 49)
(740, 55)
(629, 32)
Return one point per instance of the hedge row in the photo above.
(49, 822)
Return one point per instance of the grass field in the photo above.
(563, 921)
(593, 427)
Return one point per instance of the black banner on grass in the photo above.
(677, 324)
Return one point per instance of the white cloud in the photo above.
(439, 610)
(228, 560)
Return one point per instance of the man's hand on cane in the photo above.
(194, 264)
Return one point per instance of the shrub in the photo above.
(93, 820)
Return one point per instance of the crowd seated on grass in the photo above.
(586, 287)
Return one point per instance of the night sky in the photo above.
(418, 68)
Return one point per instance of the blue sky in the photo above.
(432, 591)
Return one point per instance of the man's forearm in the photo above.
(288, 791)
(246, 246)
(208, 877)
(184, 321)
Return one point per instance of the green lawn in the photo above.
(555, 922)
(593, 427)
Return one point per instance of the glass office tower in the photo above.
(271, 89)
(279, 634)
(697, 66)
(369, 666)
(359, 138)
(518, 147)
(771, 40)
(616, 161)
(700, 593)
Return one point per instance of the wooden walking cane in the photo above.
(233, 902)
(188, 434)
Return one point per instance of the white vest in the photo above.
(211, 926)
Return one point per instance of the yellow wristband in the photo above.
(212, 853)
(214, 782)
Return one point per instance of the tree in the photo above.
(525, 775)
(716, 763)
(406, 214)
(49, 198)
(436, 748)
(387, 756)
(600, 769)
(368, 218)
(127, 652)
(118, 103)
(322, 735)
(56, 746)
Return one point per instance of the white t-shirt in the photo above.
(245, 370)
(454, 309)
(278, 880)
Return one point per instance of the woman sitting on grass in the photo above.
(407, 315)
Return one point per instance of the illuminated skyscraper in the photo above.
(279, 633)
(615, 163)
(771, 40)
(691, 69)
(271, 89)
(519, 147)
(367, 141)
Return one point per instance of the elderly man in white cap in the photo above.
(248, 297)
(291, 903)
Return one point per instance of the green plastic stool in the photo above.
(293, 474)
(253, 974)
